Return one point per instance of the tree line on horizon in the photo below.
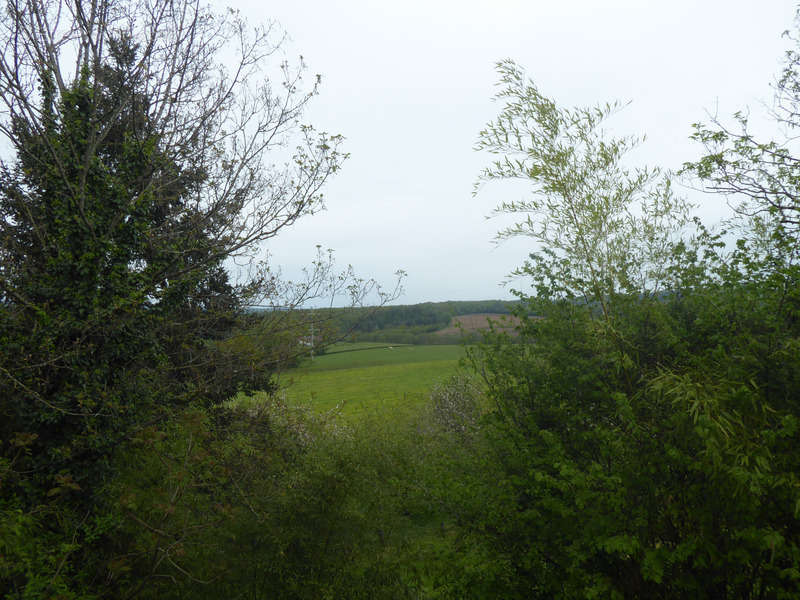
(403, 324)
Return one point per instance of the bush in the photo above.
(457, 403)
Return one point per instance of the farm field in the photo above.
(359, 379)
(472, 323)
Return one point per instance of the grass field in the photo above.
(364, 378)
(373, 354)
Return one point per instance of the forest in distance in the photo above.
(423, 323)
(629, 430)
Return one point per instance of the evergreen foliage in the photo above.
(135, 177)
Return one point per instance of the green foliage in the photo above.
(636, 439)
(672, 488)
(278, 502)
(122, 203)
(641, 428)
(456, 403)
(602, 228)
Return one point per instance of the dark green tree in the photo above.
(142, 164)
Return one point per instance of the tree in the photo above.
(604, 231)
(639, 428)
(587, 212)
(762, 175)
(151, 148)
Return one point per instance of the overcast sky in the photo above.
(409, 84)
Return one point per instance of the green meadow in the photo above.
(358, 379)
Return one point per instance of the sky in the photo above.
(410, 84)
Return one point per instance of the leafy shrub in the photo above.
(456, 403)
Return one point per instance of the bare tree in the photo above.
(202, 80)
(763, 176)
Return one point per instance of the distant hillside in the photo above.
(465, 324)
(434, 315)
(425, 323)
